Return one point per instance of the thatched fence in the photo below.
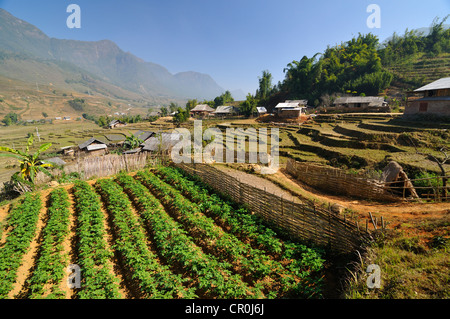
(335, 180)
(103, 166)
(108, 165)
(303, 221)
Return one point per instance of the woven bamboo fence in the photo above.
(337, 181)
(303, 221)
(101, 166)
(438, 189)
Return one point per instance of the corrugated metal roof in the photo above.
(96, 147)
(202, 108)
(261, 109)
(299, 102)
(286, 105)
(143, 135)
(89, 142)
(359, 99)
(224, 109)
(164, 141)
(443, 83)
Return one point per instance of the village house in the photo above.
(162, 142)
(362, 104)
(116, 123)
(67, 150)
(143, 135)
(291, 108)
(434, 99)
(201, 110)
(225, 110)
(261, 110)
(93, 147)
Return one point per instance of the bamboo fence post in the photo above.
(374, 225)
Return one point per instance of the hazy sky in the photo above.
(231, 40)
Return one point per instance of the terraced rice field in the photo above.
(352, 141)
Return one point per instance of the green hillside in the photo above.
(419, 70)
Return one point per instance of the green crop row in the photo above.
(243, 224)
(213, 278)
(94, 258)
(22, 223)
(155, 280)
(238, 221)
(51, 262)
(257, 267)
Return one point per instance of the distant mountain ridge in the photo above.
(103, 63)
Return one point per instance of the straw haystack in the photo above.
(394, 177)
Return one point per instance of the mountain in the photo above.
(98, 67)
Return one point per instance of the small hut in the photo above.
(202, 110)
(291, 108)
(224, 110)
(143, 135)
(93, 147)
(396, 180)
(162, 142)
(261, 110)
(116, 123)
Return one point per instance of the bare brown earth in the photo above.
(395, 214)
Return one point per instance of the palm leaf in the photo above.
(11, 150)
(12, 155)
(41, 149)
(29, 143)
(43, 170)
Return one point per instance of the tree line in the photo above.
(358, 66)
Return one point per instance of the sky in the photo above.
(231, 40)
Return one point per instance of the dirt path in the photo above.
(283, 184)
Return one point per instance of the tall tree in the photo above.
(223, 99)
(265, 86)
(248, 107)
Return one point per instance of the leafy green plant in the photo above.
(155, 280)
(30, 163)
(213, 278)
(22, 223)
(50, 267)
(94, 257)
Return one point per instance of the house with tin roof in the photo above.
(434, 98)
(291, 108)
(362, 103)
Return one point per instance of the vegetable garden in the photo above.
(157, 234)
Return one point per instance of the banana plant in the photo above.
(30, 164)
(132, 142)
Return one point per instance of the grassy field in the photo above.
(64, 133)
